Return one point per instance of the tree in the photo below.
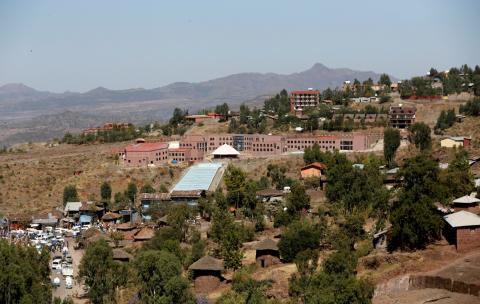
(230, 248)
(471, 108)
(70, 194)
(457, 179)
(100, 272)
(178, 117)
(235, 179)
(244, 114)
(385, 80)
(159, 274)
(391, 142)
(433, 72)
(147, 189)
(131, 192)
(177, 216)
(336, 284)
(419, 135)
(300, 235)
(24, 275)
(106, 192)
(297, 200)
(405, 88)
(414, 220)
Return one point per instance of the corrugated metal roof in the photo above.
(467, 199)
(73, 206)
(198, 177)
(462, 219)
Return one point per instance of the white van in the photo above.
(69, 282)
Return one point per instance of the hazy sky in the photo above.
(67, 45)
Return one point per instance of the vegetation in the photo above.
(414, 220)
(159, 275)
(445, 120)
(472, 107)
(106, 192)
(420, 136)
(299, 236)
(336, 284)
(24, 275)
(101, 273)
(70, 194)
(118, 133)
(391, 142)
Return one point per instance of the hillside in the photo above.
(21, 106)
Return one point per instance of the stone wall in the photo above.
(422, 281)
(206, 284)
(268, 260)
(468, 238)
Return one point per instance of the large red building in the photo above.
(192, 148)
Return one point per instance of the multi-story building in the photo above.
(194, 148)
(401, 117)
(143, 154)
(300, 100)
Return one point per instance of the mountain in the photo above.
(19, 104)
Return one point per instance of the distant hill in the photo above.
(19, 104)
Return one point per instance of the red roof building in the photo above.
(299, 100)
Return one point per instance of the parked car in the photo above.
(69, 282)
(57, 264)
(68, 258)
(56, 282)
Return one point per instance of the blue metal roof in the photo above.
(198, 177)
(85, 218)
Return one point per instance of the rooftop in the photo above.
(462, 219)
(306, 92)
(267, 244)
(467, 199)
(198, 177)
(316, 165)
(207, 263)
(225, 150)
(146, 147)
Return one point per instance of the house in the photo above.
(207, 274)
(72, 209)
(455, 141)
(45, 220)
(111, 217)
(267, 195)
(466, 202)
(380, 240)
(148, 200)
(312, 170)
(145, 234)
(121, 255)
(300, 100)
(401, 117)
(267, 253)
(144, 154)
(225, 151)
(463, 230)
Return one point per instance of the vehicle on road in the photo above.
(67, 270)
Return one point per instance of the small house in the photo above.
(121, 255)
(207, 274)
(463, 230)
(466, 202)
(267, 195)
(145, 234)
(72, 209)
(267, 253)
(315, 169)
(111, 217)
(455, 141)
(380, 240)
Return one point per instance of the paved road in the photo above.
(77, 289)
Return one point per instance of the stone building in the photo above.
(266, 253)
(207, 274)
(463, 230)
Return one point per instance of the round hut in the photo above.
(207, 274)
(266, 253)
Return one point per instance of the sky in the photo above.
(79, 45)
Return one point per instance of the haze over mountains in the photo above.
(27, 114)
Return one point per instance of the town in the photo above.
(251, 152)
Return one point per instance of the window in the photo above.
(346, 145)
